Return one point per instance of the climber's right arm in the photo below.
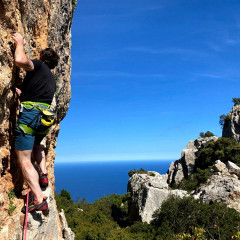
(21, 59)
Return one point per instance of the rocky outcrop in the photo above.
(185, 165)
(223, 186)
(66, 231)
(231, 127)
(148, 191)
(44, 24)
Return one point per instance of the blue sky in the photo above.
(148, 77)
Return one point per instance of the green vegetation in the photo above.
(224, 149)
(206, 134)
(187, 218)
(225, 120)
(236, 101)
(194, 180)
(140, 171)
(178, 216)
(11, 195)
(74, 4)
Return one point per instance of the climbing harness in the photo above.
(25, 232)
(46, 115)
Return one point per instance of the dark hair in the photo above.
(49, 57)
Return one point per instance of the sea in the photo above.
(92, 180)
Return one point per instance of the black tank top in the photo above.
(38, 85)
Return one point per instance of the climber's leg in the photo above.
(30, 174)
(39, 157)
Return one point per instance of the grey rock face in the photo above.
(67, 232)
(40, 226)
(222, 188)
(233, 168)
(185, 165)
(232, 129)
(147, 194)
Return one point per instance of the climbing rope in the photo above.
(25, 233)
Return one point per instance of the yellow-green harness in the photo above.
(47, 118)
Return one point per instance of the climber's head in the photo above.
(49, 57)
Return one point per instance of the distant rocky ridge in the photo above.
(149, 190)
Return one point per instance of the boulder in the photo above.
(148, 191)
(221, 188)
(219, 166)
(233, 168)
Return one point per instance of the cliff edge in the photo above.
(43, 23)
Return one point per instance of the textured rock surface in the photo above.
(147, 194)
(222, 187)
(43, 23)
(66, 231)
(185, 165)
(219, 166)
(232, 129)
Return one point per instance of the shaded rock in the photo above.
(185, 165)
(232, 128)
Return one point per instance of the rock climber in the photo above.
(36, 95)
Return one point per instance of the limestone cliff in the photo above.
(43, 23)
(231, 127)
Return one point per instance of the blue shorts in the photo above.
(31, 118)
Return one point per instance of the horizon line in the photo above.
(112, 161)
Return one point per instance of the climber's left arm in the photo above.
(21, 59)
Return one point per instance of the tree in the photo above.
(225, 120)
(236, 101)
(206, 134)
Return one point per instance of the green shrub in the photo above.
(74, 4)
(236, 101)
(12, 207)
(178, 216)
(206, 134)
(140, 171)
(225, 120)
(224, 149)
(63, 200)
(194, 180)
(11, 195)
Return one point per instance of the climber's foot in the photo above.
(43, 206)
(43, 179)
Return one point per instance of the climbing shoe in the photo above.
(43, 206)
(43, 179)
